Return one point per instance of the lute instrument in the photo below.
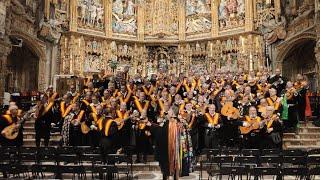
(11, 132)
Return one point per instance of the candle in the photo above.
(251, 62)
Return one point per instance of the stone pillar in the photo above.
(182, 20)
(73, 15)
(5, 49)
(54, 59)
(248, 15)
(215, 18)
(5, 45)
(48, 64)
(140, 21)
(108, 18)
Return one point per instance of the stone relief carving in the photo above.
(231, 13)
(159, 23)
(124, 19)
(91, 14)
(198, 16)
(273, 29)
(94, 58)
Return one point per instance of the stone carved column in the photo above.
(108, 17)
(182, 19)
(73, 15)
(249, 15)
(215, 18)
(4, 52)
(141, 21)
(47, 9)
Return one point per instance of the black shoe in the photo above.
(137, 161)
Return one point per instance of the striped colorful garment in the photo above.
(180, 149)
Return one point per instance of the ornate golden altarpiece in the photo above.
(160, 35)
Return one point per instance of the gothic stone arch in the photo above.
(39, 48)
(284, 48)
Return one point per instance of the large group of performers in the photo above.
(174, 117)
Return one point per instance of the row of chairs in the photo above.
(260, 172)
(260, 152)
(75, 160)
(257, 163)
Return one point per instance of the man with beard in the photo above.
(252, 140)
(7, 120)
(211, 123)
(272, 130)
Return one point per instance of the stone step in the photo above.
(306, 124)
(305, 142)
(32, 135)
(301, 135)
(32, 142)
(28, 128)
(309, 129)
(303, 147)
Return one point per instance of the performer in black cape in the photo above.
(171, 136)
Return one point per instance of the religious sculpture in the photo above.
(91, 14)
(198, 16)
(274, 29)
(93, 58)
(231, 13)
(159, 23)
(124, 17)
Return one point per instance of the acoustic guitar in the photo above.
(229, 111)
(254, 125)
(11, 132)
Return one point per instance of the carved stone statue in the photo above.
(93, 13)
(201, 7)
(124, 19)
(130, 8)
(83, 9)
(232, 6)
(125, 49)
(117, 7)
(274, 30)
(100, 14)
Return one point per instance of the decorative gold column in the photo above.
(215, 18)
(141, 21)
(108, 17)
(182, 20)
(47, 9)
(277, 7)
(249, 15)
(73, 15)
